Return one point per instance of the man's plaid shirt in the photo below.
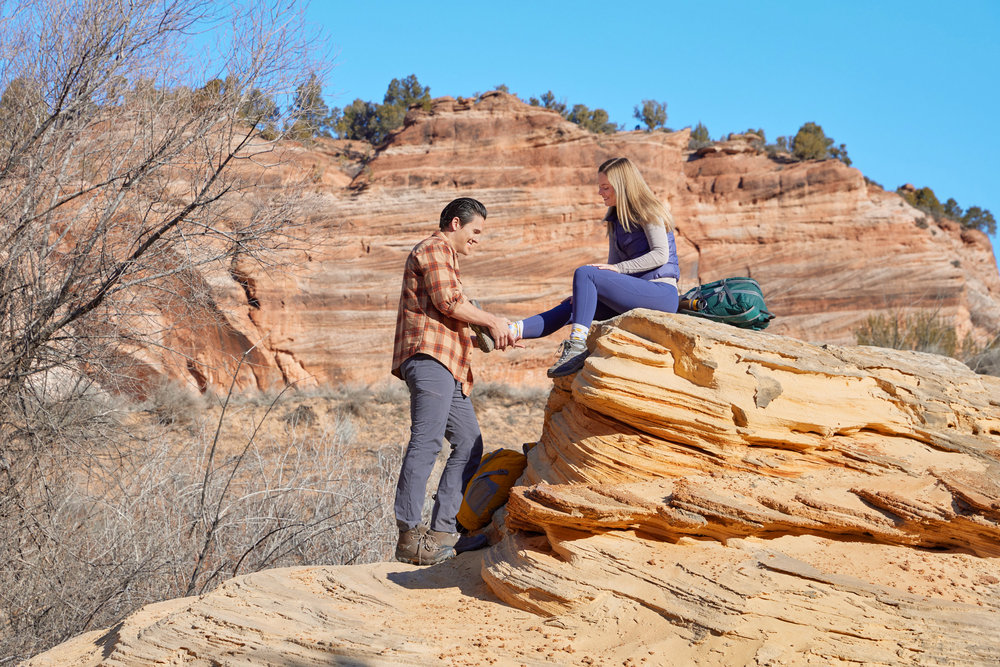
(431, 291)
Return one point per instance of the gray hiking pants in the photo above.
(438, 410)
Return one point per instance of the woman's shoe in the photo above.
(484, 339)
(574, 353)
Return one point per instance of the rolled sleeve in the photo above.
(441, 279)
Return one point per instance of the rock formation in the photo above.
(828, 247)
(766, 497)
(700, 495)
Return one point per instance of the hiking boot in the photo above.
(409, 544)
(435, 547)
(574, 353)
(484, 339)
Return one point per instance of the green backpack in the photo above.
(736, 301)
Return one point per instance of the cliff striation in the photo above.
(828, 247)
(700, 495)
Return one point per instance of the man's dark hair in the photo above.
(463, 208)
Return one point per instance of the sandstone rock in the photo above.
(383, 614)
(827, 504)
(700, 495)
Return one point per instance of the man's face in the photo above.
(465, 238)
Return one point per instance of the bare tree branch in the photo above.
(131, 170)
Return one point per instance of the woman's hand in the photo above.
(606, 267)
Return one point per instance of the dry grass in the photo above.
(923, 331)
(142, 509)
(162, 516)
(928, 331)
(987, 362)
(507, 395)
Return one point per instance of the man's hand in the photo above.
(500, 332)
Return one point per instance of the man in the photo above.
(432, 354)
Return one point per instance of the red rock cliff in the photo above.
(828, 247)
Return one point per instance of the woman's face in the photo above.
(605, 190)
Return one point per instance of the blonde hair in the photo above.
(635, 201)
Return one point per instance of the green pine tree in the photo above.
(548, 101)
(310, 115)
(373, 123)
(652, 113)
(699, 137)
(811, 143)
(595, 121)
(262, 112)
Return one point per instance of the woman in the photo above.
(641, 271)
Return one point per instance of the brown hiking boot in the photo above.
(435, 547)
(409, 544)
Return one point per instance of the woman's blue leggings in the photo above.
(600, 294)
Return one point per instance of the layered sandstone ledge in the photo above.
(700, 495)
(802, 503)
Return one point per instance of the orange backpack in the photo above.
(489, 488)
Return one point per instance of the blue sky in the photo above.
(910, 87)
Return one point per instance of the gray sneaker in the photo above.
(484, 339)
(574, 353)
(408, 545)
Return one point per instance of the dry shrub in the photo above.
(353, 398)
(508, 395)
(173, 403)
(394, 393)
(986, 361)
(130, 172)
(302, 414)
(106, 529)
(923, 331)
(927, 331)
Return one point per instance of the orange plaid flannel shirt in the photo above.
(432, 289)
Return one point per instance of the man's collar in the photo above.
(441, 235)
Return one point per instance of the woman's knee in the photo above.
(586, 272)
